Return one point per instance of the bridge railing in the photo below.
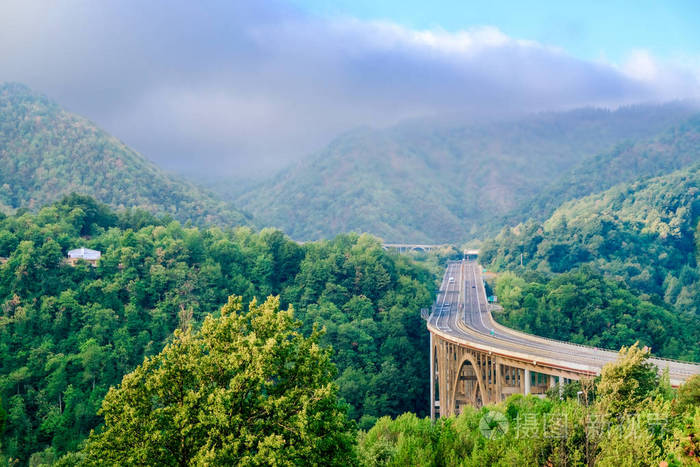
(587, 346)
(461, 321)
(425, 313)
(582, 345)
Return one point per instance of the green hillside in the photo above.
(577, 267)
(69, 333)
(431, 182)
(671, 150)
(47, 152)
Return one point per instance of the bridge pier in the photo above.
(499, 380)
(528, 382)
(469, 376)
(432, 378)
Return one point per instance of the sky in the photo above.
(591, 30)
(237, 89)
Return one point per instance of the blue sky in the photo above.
(245, 86)
(590, 30)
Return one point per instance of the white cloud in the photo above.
(641, 65)
(390, 35)
(670, 78)
(239, 85)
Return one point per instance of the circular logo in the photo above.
(493, 425)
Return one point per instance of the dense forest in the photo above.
(69, 333)
(249, 389)
(436, 182)
(627, 417)
(244, 346)
(620, 263)
(47, 152)
(674, 149)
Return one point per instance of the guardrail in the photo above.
(425, 314)
(574, 343)
(599, 349)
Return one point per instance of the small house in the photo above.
(85, 254)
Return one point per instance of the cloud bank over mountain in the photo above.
(233, 87)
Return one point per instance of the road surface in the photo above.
(462, 315)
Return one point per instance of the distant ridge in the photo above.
(424, 182)
(674, 149)
(47, 152)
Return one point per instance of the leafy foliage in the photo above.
(624, 385)
(67, 334)
(247, 389)
(651, 428)
(47, 152)
(369, 303)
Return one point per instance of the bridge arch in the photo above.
(467, 358)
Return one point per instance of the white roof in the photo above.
(84, 253)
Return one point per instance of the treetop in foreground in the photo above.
(627, 417)
(248, 388)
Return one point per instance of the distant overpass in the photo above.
(404, 247)
(476, 361)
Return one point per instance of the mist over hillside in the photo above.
(47, 152)
(436, 182)
(631, 160)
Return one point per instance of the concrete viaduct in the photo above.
(476, 361)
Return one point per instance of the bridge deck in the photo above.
(461, 316)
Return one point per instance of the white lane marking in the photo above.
(478, 302)
(449, 305)
(443, 291)
(444, 299)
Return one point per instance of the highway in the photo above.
(461, 315)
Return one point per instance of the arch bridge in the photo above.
(476, 361)
(405, 247)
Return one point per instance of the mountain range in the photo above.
(436, 182)
(47, 152)
(420, 181)
(589, 220)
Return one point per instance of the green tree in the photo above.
(247, 388)
(689, 392)
(67, 334)
(624, 384)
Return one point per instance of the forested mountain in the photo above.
(641, 236)
(607, 269)
(69, 333)
(47, 152)
(435, 182)
(671, 150)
